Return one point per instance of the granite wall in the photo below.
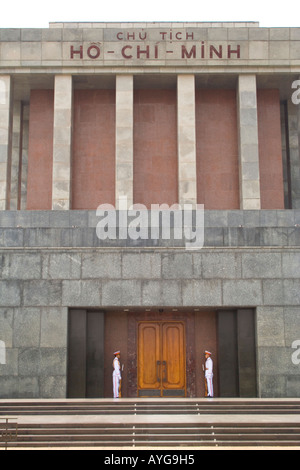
(51, 261)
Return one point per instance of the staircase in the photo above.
(152, 423)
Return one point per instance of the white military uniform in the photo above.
(116, 377)
(209, 367)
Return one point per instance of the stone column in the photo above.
(124, 140)
(15, 155)
(25, 142)
(248, 143)
(293, 165)
(62, 143)
(297, 203)
(186, 125)
(5, 140)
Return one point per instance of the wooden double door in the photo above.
(161, 359)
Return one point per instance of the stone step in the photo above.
(165, 407)
(149, 443)
(96, 430)
(104, 436)
(133, 423)
(180, 437)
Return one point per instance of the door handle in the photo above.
(165, 371)
(158, 363)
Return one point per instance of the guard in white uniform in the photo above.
(209, 374)
(116, 374)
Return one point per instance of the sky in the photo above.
(38, 14)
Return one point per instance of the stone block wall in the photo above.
(50, 262)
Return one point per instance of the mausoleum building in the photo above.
(187, 135)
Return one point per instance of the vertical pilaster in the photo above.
(248, 143)
(16, 155)
(62, 143)
(124, 139)
(293, 158)
(186, 125)
(5, 140)
(25, 142)
(297, 203)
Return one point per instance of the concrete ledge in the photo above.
(32, 229)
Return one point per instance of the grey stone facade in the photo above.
(250, 259)
(74, 229)
(52, 261)
(66, 55)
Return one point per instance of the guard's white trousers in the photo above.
(116, 385)
(210, 385)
